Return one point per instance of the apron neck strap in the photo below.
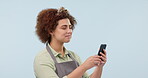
(53, 57)
(51, 54)
(73, 59)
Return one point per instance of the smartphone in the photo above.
(102, 46)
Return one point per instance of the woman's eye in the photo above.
(63, 27)
(71, 27)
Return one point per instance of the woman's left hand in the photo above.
(103, 58)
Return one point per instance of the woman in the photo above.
(54, 27)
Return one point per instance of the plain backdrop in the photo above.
(121, 24)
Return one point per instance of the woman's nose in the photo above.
(69, 30)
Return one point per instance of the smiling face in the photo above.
(63, 31)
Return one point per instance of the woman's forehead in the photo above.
(65, 21)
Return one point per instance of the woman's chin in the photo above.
(66, 41)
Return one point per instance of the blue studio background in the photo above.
(122, 24)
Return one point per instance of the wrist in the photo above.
(83, 67)
(100, 66)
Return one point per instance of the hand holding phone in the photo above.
(103, 46)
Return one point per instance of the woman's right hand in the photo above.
(91, 62)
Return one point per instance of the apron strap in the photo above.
(51, 54)
(73, 59)
(53, 57)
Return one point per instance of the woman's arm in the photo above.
(98, 71)
(89, 63)
(78, 72)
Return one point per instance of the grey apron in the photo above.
(64, 68)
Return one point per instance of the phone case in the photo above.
(103, 46)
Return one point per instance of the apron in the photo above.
(64, 68)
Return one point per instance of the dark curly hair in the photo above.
(47, 21)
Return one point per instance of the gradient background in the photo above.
(122, 24)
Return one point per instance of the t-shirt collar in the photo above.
(56, 53)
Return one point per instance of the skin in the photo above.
(62, 34)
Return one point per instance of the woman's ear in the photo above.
(50, 32)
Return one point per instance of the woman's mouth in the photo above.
(68, 36)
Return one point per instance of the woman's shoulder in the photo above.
(42, 55)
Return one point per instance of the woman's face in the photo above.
(63, 31)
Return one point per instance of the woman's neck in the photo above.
(58, 47)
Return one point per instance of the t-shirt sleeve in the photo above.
(44, 68)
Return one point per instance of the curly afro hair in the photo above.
(47, 21)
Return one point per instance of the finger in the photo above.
(103, 59)
(95, 56)
(102, 62)
(97, 59)
(103, 55)
(104, 51)
(97, 62)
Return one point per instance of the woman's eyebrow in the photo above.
(66, 25)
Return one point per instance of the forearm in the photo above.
(97, 72)
(78, 72)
